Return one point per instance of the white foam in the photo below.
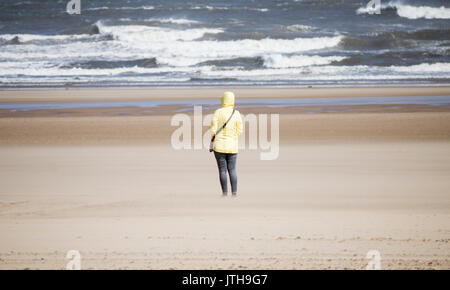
(97, 8)
(210, 8)
(314, 73)
(57, 71)
(258, 9)
(121, 8)
(300, 27)
(32, 37)
(182, 47)
(424, 68)
(174, 20)
(282, 61)
(411, 12)
(362, 72)
(188, 53)
(179, 48)
(207, 7)
(139, 34)
(58, 80)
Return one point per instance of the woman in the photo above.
(226, 141)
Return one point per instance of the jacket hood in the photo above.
(227, 99)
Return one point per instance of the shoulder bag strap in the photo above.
(223, 126)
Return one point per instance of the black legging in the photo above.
(227, 162)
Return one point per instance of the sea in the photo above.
(233, 43)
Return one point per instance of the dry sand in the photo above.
(115, 190)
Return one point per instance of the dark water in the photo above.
(225, 43)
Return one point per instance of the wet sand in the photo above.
(101, 94)
(113, 188)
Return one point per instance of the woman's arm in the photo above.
(238, 125)
(213, 128)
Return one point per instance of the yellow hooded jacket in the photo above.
(227, 140)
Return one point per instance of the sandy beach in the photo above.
(107, 183)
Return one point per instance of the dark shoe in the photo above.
(224, 194)
(234, 194)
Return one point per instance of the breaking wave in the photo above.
(411, 12)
